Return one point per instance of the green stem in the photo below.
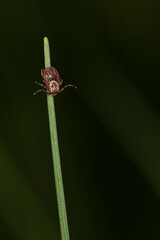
(55, 154)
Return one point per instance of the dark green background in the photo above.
(109, 128)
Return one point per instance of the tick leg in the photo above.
(61, 81)
(69, 85)
(41, 90)
(40, 84)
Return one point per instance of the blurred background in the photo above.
(109, 128)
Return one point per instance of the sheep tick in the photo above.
(52, 81)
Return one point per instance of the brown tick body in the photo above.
(52, 81)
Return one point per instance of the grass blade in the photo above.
(56, 155)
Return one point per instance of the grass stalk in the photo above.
(55, 154)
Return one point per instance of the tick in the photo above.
(52, 81)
